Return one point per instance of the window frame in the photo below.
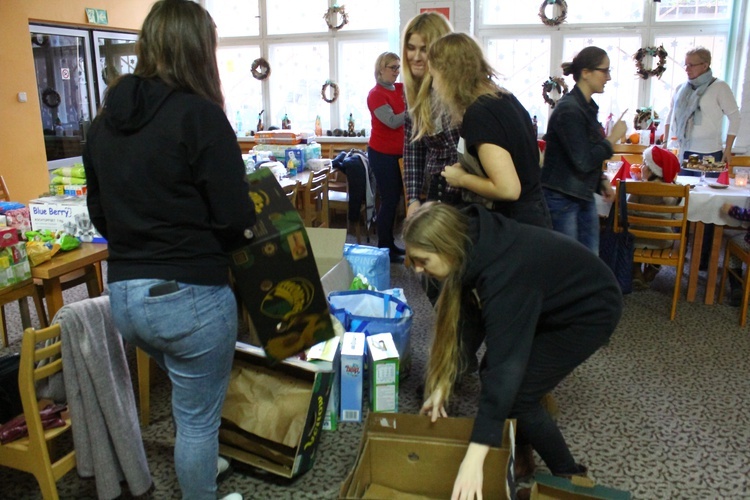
(648, 30)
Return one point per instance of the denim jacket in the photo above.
(576, 148)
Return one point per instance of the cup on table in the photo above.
(741, 176)
(612, 168)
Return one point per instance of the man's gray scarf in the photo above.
(686, 109)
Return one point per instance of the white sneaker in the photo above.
(223, 469)
(233, 496)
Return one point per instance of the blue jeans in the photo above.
(191, 334)
(574, 217)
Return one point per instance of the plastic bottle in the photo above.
(286, 123)
(674, 146)
(608, 125)
(535, 124)
(318, 127)
(238, 122)
(652, 133)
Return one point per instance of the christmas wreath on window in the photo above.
(660, 68)
(336, 17)
(260, 69)
(334, 89)
(553, 83)
(644, 117)
(557, 20)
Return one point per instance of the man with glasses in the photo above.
(698, 109)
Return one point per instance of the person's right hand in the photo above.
(618, 131)
(412, 207)
(726, 207)
(434, 406)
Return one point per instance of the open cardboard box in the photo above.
(407, 456)
(286, 452)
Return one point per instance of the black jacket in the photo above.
(529, 281)
(166, 184)
(576, 148)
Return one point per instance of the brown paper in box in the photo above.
(268, 404)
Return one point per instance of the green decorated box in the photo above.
(276, 276)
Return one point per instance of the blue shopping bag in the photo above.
(373, 312)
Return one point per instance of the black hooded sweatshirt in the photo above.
(166, 184)
(529, 281)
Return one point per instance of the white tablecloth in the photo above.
(705, 202)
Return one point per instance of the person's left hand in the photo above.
(726, 207)
(607, 192)
(453, 174)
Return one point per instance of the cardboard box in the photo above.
(327, 355)
(352, 376)
(276, 275)
(409, 455)
(549, 487)
(68, 213)
(309, 387)
(383, 368)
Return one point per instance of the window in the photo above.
(525, 52)
(303, 54)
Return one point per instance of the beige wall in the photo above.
(23, 161)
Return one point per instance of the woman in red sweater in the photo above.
(387, 107)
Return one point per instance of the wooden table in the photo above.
(88, 254)
(704, 208)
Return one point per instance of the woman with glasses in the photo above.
(388, 108)
(576, 148)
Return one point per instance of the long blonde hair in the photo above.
(429, 26)
(177, 45)
(440, 228)
(465, 73)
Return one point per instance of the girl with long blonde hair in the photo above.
(430, 139)
(546, 304)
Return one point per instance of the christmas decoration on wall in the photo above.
(557, 20)
(654, 52)
(336, 17)
(557, 84)
(334, 91)
(260, 69)
(644, 117)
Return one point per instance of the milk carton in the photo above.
(352, 376)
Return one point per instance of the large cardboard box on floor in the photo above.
(276, 276)
(407, 456)
(274, 411)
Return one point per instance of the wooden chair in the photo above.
(403, 183)
(628, 148)
(736, 250)
(315, 200)
(20, 292)
(4, 196)
(291, 191)
(338, 201)
(31, 454)
(648, 221)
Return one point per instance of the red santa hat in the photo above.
(662, 162)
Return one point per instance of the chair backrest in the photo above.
(738, 161)
(4, 194)
(628, 148)
(41, 358)
(291, 191)
(315, 199)
(648, 217)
